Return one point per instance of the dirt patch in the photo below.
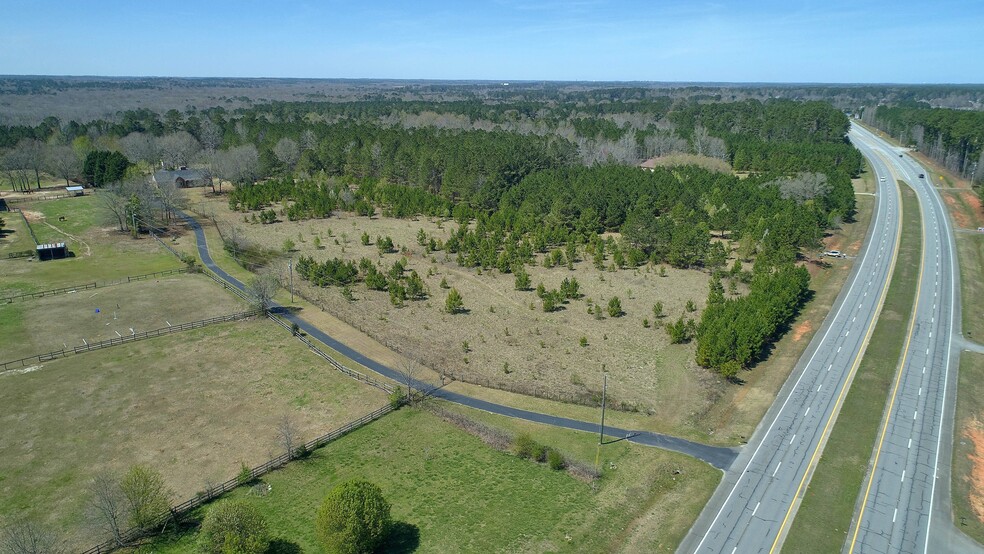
(959, 217)
(802, 329)
(32, 215)
(975, 433)
(974, 206)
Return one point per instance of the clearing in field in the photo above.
(193, 405)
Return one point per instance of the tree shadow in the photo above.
(283, 546)
(403, 537)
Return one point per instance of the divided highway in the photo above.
(911, 460)
(755, 503)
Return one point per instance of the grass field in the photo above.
(427, 470)
(50, 323)
(823, 518)
(192, 405)
(101, 253)
(14, 237)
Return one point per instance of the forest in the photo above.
(953, 138)
(521, 177)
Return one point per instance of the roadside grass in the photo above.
(825, 515)
(452, 493)
(970, 249)
(968, 436)
(100, 252)
(41, 325)
(968, 448)
(193, 405)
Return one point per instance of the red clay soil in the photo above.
(975, 432)
(802, 329)
(959, 217)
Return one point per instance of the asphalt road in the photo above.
(755, 503)
(911, 460)
(719, 457)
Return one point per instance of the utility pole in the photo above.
(290, 270)
(604, 394)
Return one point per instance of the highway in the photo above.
(755, 503)
(909, 472)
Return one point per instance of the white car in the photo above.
(881, 178)
(833, 254)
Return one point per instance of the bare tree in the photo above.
(14, 172)
(177, 149)
(804, 186)
(308, 140)
(210, 135)
(287, 436)
(107, 507)
(114, 199)
(287, 151)
(140, 147)
(29, 537)
(701, 140)
(170, 197)
(62, 162)
(408, 374)
(241, 164)
(261, 289)
(27, 155)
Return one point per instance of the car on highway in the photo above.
(922, 175)
(881, 178)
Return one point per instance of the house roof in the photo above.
(74, 189)
(165, 176)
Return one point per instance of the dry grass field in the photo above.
(41, 325)
(502, 343)
(193, 405)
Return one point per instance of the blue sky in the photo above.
(659, 40)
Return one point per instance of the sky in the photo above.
(831, 41)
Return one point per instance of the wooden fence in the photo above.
(180, 510)
(126, 339)
(347, 371)
(86, 286)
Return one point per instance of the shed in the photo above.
(182, 177)
(55, 251)
(76, 190)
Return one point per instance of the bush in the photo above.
(396, 397)
(245, 474)
(353, 518)
(615, 307)
(524, 445)
(556, 460)
(236, 527)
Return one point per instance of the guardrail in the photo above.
(178, 511)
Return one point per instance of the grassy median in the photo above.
(824, 517)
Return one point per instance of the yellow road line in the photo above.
(898, 380)
(847, 382)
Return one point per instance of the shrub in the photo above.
(615, 307)
(556, 460)
(236, 527)
(245, 474)
(353, 518)
(146, 495)
(454, 303)
(396, 397)
(524, 445)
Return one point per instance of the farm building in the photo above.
(76, 190)
(54, 251)
(183, 177)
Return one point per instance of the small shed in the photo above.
(76, 190)
(55, 251)
(183, 177)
